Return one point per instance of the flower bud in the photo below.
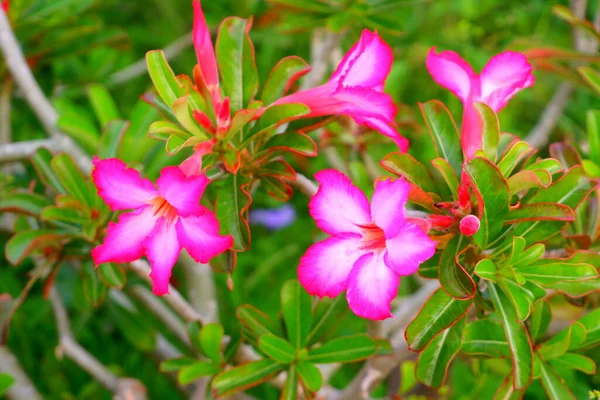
(469, 225)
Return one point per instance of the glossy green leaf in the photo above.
(443, 131)
(517, 337)
(486, 269)
(548, 164)
(103, 104)
(296, 305)
(63, 214)
(285, 73)
(524, 180)
(80, 128)
(485, 337)
(290, 389)
(540, 320)
(197, 370)
(275, 116)
(294, 142)
(566, 154)
(41, 161)
(493, 198)
(23, 243)
(550, 270)
(277, 348)
(591, 324)
(448, 174)
(554, 385)
(515, 154)
(182, 109)
(111, 138)
(403, 164)
(71, 178)
(175, 364)
(591, 77)
(112, 275)
(23, 203)
(244, 376)
(327, 315)
(593, 131)
(211, 336)
(435, 359)
(231, 209)
(93, 288)
(439, 312)
(343, 349)
(453, 277)
(520, 295)
(540, 212)
(576, 289)
(162, 76)
(575, 361)
(236, 59)
(507, 390)
(257, 321)
(491, 130)
(310, 375)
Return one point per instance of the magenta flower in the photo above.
(369, 248)
(161, 222)
(504, 76)
(205, 53)
(356, 89)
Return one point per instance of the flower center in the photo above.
(162, 208)
(373, 238)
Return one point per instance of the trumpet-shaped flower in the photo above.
(205, 52)
(504, 76)
(356, 89)
(370, 246)
(161, 222)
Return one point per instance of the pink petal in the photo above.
(124, 240)
(409, 248)
(371, 288)
(366, 64)
(181, 191)
(361, 102)
(205, 53)
(471, 132)
(121, 187)
(338, 206)
(319, 99)
(504, 76)
(199, 235)
(162, 250)
(324, 268)
(388, 205)
(452, 72)
(384, 127)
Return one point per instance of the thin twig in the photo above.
(139, 68)
(5, 111)
(19, 69)
(305, 185)
(201, 288)
(323, 43)
(22, 150)
(124, 388)
(23, 388)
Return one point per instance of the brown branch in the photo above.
(305, 185)
(201, 288)
(23, 388)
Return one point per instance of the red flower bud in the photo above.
(469, 225)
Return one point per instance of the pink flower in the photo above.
(205, 53)
(504, 76)
(369, 248)
(356, 89)
(161, 223)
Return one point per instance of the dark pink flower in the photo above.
(504, 76)
(205, 53)
(356, 89)
(370, 246)
(161, 221)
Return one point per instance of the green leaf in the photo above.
(569, 338)
(211, 336)
(486, 269)
(62, 214)
(591, 323)
(112, 275)
(182, 109)
(310, 375)
(591, 77)
(567, 14)
(443, 131)
(517, 337)
(492, 196)
(277, 348)
(236, 59)
(290, 389)
(93, 288)
(403, 164)
(540, 212)
(296, 305)
(111, 138)
(257, 322)
(136, 328)
(197, 370)
(41, 161)
(576, 288)
(6, 381)
(485, 337)
(343, 349)
(23, 203)
(566, 154)
(515, 154)
(71, 178)
(453, 277)
(520, 295)
(593, 131)
(103, 104)
(295, 142)
(575, 361)
(80, 128)
(491, 130)
(554, 385)
(23, 243)
(244, 376)
(550, 270)
(175, 364)
(439, 312)
(540, 320)
(285, 73)
(231, 209)
(524, 180)
(507, 390)
(435, 359)
(445, 170)
(162, 76)
(327, 315)
(273, 117)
